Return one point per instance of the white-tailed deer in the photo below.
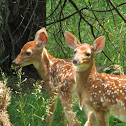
(58, 74)
(103, 93)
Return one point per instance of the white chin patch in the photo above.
(36, 65)
(82, 67)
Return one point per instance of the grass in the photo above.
(31, 110)
(30, 107)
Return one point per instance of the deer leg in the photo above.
(101, 117)
(66, 100)
(64, 118)
(52, 106)
(91, 118)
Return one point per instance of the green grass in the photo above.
(30, 107)
(30, 110)
(27, 110)
(115, 30)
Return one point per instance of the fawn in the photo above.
(103, 93)
(58, 74)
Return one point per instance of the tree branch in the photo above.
(117, 10)
(66, 17)
(91, 26)
(107, 10)
(80, 11)
(54, 10)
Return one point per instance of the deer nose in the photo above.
(75, 61)
(14, 63)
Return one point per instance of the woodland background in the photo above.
(86, 19)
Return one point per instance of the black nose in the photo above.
(75, 61)
(13, 62)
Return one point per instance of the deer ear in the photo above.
(41, 37)
(71, 40)
(99, 44)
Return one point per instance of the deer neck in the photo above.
(82, 80)
(84, 76)
(43, 64)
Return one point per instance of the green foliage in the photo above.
(30, 108)
(27, 109)
(4, 78)
(105, 23)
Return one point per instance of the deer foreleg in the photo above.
(51, 109)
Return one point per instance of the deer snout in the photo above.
(14, 63)
(75, 61)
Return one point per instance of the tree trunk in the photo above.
(20, 21)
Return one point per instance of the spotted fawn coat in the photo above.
(105, 94)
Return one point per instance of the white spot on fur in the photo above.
(1, 90)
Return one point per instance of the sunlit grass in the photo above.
(30, 108)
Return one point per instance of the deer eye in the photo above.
(28, 53)
(87, 54)
(75, 51)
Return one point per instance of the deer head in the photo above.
(31, 51)
(84, 53)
